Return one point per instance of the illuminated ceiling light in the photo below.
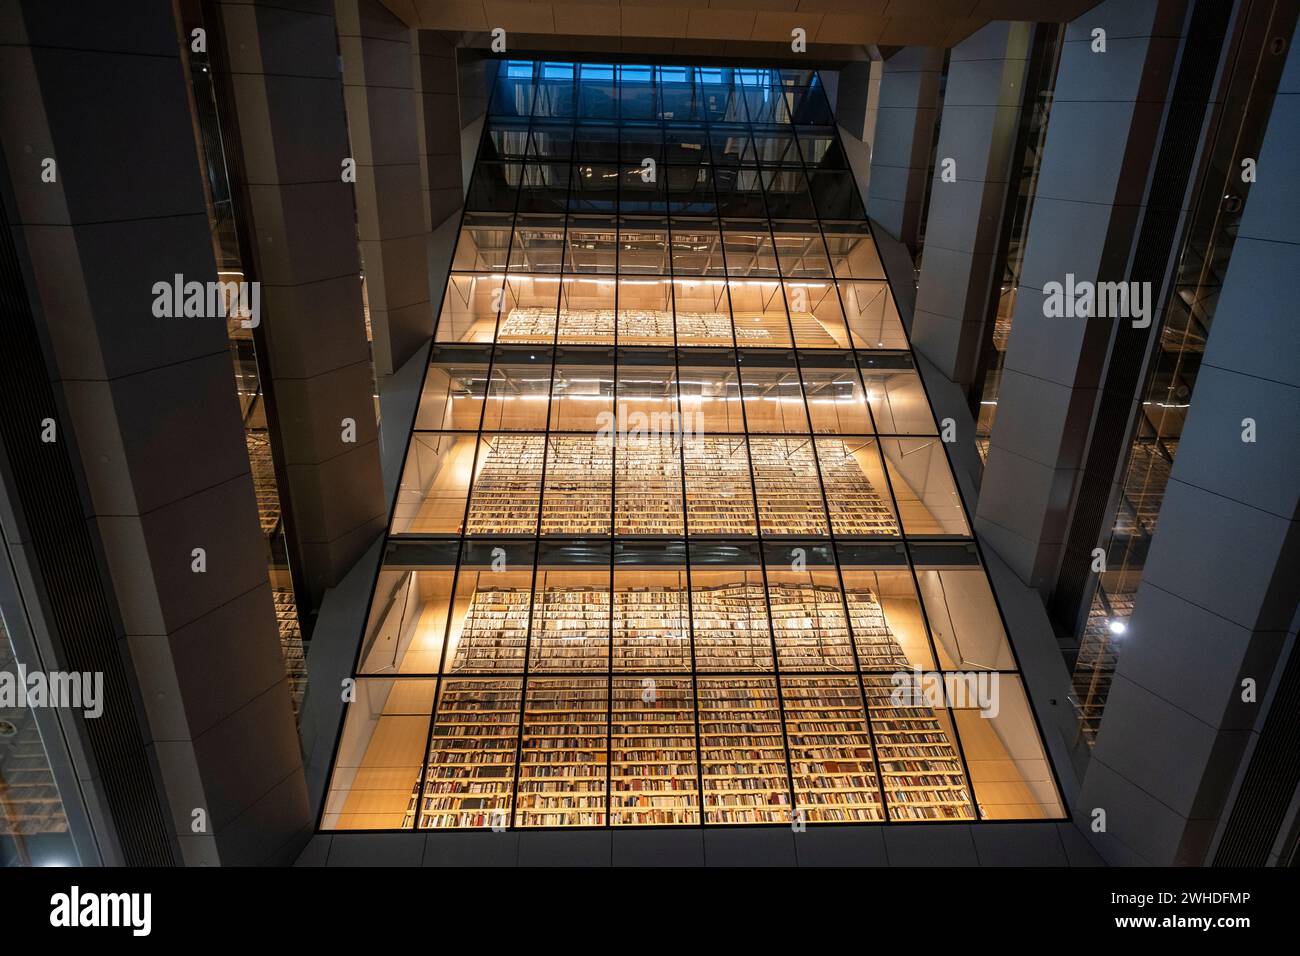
(1117, 627)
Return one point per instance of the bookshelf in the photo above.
(857, 507)
(785, 479)
(919, 761)
(471, 768)
(811, 632)
(651, 631)
(563, 768)
(656, 327)
(507, 485)
(742, 751)
(570, 627)
(648, 486)
(719, 494)
(878, 648)
(579, 485)
(731, 627)
(494, 632)
(653, 753)
(830, 750)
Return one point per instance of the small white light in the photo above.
(1118, 627)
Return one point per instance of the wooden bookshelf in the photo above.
(494, 632)
(564, 759)
(857, 506)
(785, 479)
(830, 750)
(651, 630)
(470, 776)
(656, 327)
(653, 762)
(742, 751)
(878, 648)
(731, 628)
(648, 487)
(719, 493)
(919, 760)
(811, 632)
(579, 484)
(507, 486)
(570, 628)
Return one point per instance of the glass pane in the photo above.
(507, 485)
(729, 609)
(742, 751)
(645, 312)
(380, 754)
(489, 617)
(594, 187)
(471, 770)
(691, 191)
(538, 244)
(579, 485)
(651, 619)
(748, 248)
(435, 483)
(643, 247)
(787, 194)
(453, 388)
(591, 245)
(507, 138)
(586, 311)
(773, 398)
(758, 310)
(528, 309)
(1008, 767)
(571, 617)
(408, 620)
(469, 308)
(959, 603)
(553, 141)
(873, 318)
(812, 632)
(836, 401)
(719, 493)
(740, 192)
(483, 242)
(830, 750)
(582, 390)
(519, 389)
(697, 248)
(785, 480)
(494, 187)
(919, 759)
(928, 502)
(884, 612)
(564, 760)
(647, 485)
(703, 312)
(896, 396)
(836, 194)
(655, 777)
(852, 250)
(800, 250)
(710, 393)
(855, 487)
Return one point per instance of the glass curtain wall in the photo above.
(675, 515)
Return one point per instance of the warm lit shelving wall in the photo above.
(675, 513)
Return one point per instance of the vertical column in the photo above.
(1089, 203)
(288, 100)
(393, 235)
(149, 425)
(1220, 586)
(977, 134)
(438, 119)
(900, 153)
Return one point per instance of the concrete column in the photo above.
(393, 234)
(981, 115)
(149, 418)
(1220, 587)
(438, 119)
(288, 99)
(900, 153)
(1088, 207)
